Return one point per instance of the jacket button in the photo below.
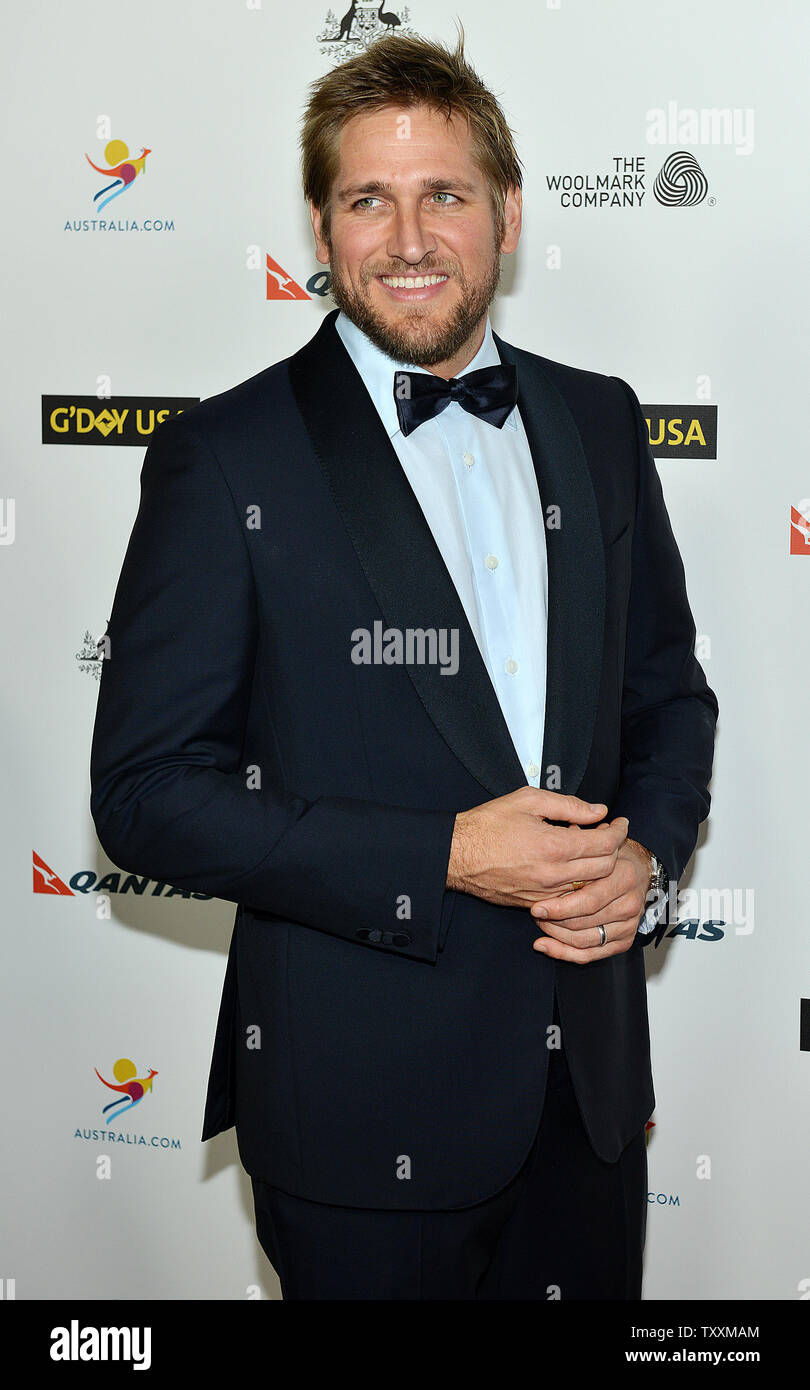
(384, 938)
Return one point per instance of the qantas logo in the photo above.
(279, 284)
(87, 881)
(800, 528)
(46, 881)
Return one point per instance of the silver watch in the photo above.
(659, 878)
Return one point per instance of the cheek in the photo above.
(363, 243)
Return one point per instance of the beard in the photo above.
(414, 337)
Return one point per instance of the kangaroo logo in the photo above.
(126, 170)
(134, 1088)
(363, 22)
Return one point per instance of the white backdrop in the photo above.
(699, 304)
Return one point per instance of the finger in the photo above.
(600, 896)
(597, 896)
(621, 908)
(581, 871)
(572, 854)
(585, 842)
(614, 946)
(560, 807)
(589, 937)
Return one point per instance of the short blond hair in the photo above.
(398, 70)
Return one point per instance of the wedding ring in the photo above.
(602, 935)
(578, 883)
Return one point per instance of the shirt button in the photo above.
(491, 562)
(511, 666)
(533, 770)
(469, 460)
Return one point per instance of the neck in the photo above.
(463, 357)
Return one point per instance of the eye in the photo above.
(364, 203)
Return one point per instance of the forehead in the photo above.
(404, 136)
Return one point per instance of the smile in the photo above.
(410, 283)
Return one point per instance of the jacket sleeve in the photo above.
(669, 713)
(169, 794)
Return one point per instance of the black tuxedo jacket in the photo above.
(381, 1039)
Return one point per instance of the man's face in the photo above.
(410, 202)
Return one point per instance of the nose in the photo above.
(409, 239)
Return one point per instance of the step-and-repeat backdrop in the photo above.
(158, 250)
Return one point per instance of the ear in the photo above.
(513, 219)
(322, 251)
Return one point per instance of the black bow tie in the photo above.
(490, 393)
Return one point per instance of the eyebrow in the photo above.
(430, 185)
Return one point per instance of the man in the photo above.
(402, 663)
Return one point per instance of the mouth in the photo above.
(413, 286)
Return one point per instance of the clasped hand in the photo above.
(510, 851)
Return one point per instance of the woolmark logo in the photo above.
(681, 182)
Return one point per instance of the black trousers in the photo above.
(567, 1226)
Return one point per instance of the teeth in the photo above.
(412, 282)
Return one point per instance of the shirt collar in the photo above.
(377, 368)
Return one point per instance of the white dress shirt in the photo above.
(477, 487)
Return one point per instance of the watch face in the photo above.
(659, 879)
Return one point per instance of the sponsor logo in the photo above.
(279, 284)
(800, 528)
(622, 186)
(46, 881)
(128, 1090)
(682, 431)
(128, 420)
(86, 881)
(623, 183)
(116, 172)
(92, 654)
(132, 1088)
(358, 24)
(120, 168)
(681, 183)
